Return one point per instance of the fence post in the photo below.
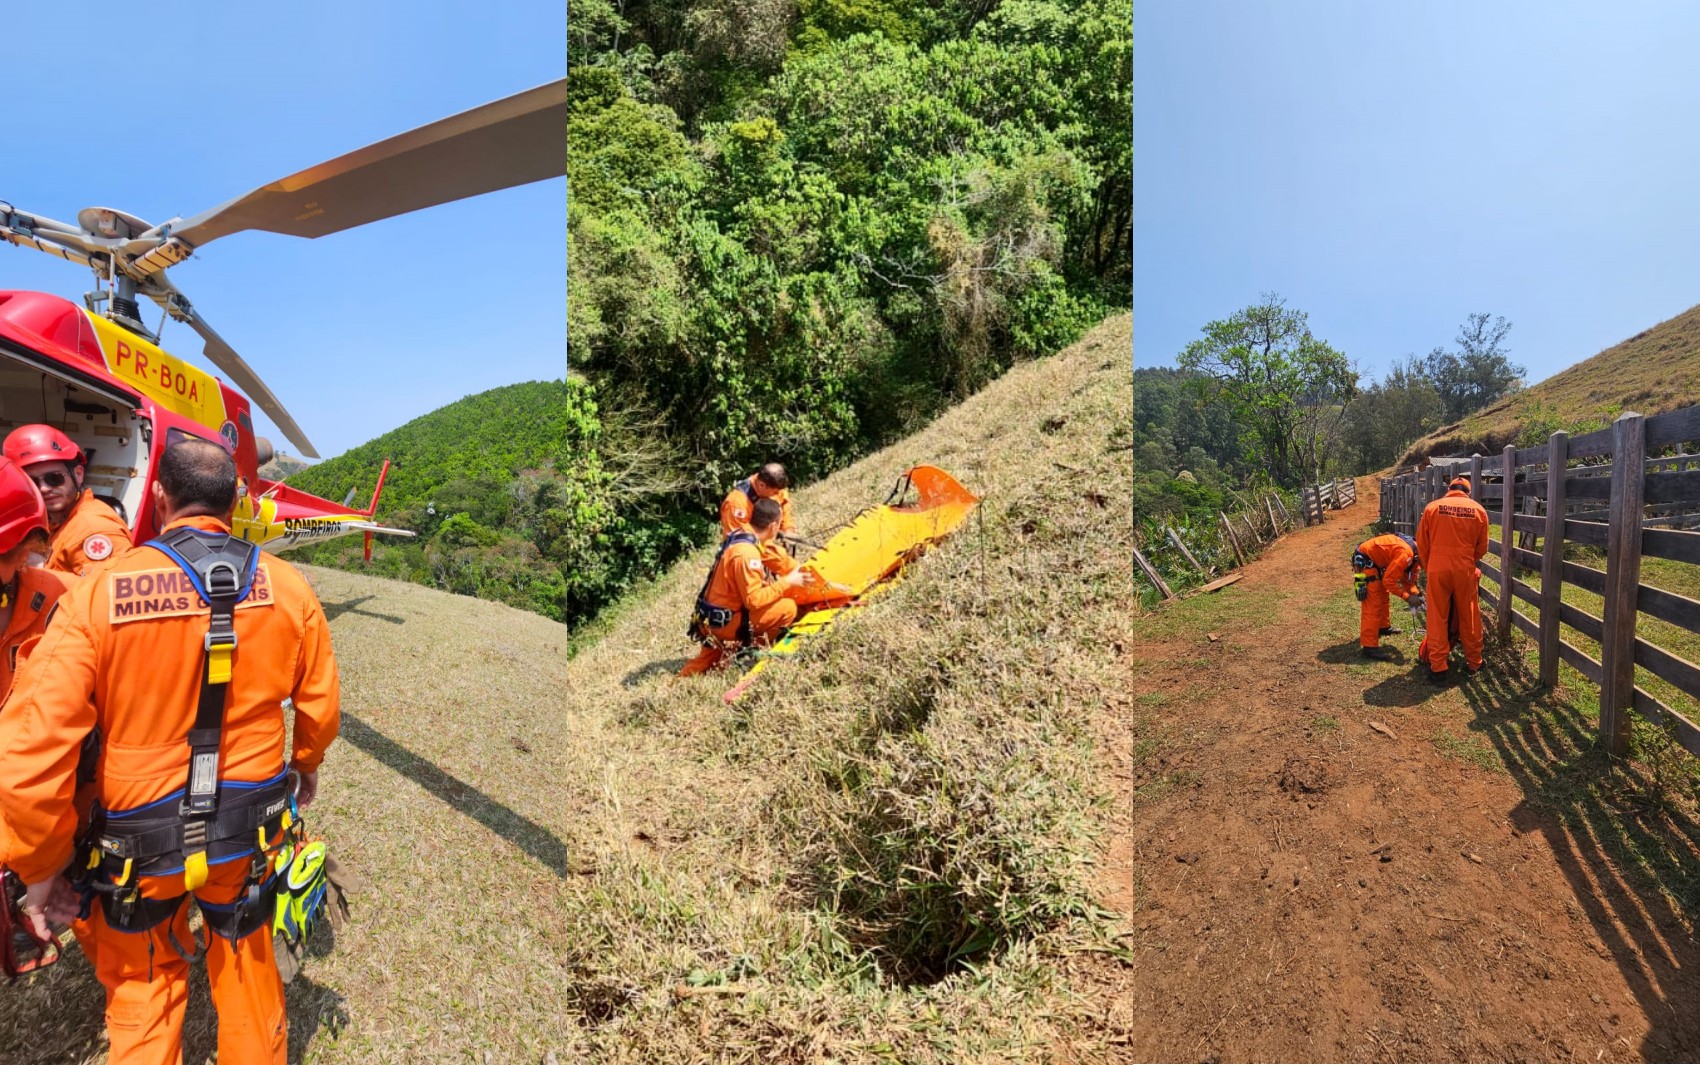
(1175, 538)
(1274, 526)
(1151, 572)
(1476, 476)
(1239, 555)
(1251, 530)
(1507, 512)
(1552, 556)
(1623, 581)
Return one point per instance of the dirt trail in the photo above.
(1308, 888)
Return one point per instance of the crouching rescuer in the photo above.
(742, 604)
(179, 657)
(1385, 566)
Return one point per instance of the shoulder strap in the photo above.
(747, 488)
(739, 537)
(221, 567)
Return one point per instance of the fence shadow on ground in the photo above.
(1634, 869)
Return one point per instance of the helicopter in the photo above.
(97, 373)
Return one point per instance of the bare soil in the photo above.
(1299, 886)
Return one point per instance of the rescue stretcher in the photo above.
(868, 556)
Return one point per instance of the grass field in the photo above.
(887, 851)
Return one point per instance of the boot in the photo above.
(1391, 631)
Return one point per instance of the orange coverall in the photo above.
(38, 590)
(1395, 576)
(1452, 535)
(130, 663)
(741, 583)
(735, 517)
(92, 533)
(735, 509)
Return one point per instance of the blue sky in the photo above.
(1390, 168)
(170, 108)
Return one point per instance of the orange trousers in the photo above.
(1453, 591)
(763, 624)
(147, 985)
(1374, 614)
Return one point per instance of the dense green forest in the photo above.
(799, 229)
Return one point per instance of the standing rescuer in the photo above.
(83, 529)
(1385, 566)
(191, 790)
(741, 603)
(1452, 536)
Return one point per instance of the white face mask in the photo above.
(35, 560)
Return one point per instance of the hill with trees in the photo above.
(1261, 401)
(798, 231)
(1652, 372)
(509, 495)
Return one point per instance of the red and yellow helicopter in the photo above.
(99, 375)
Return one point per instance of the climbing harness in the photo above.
(207, 822)
(707, 617)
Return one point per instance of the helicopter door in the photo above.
(99, 419)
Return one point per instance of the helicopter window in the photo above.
(177, 436)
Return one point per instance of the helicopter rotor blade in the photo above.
(512, 141)
(223, 356)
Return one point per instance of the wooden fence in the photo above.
(1317, 499)
(1601, 490)
(1246, 531)
(1250, 529)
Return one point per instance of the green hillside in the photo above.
(507, 493)
(1652, 372)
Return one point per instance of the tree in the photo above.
(1479, 372)
(1387, 416)
(1279, 380)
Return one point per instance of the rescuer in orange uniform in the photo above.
(84, 530)
(1452, 536)
(742, 603)
(1386, 566)
(136, 653)
(27, 593)
(769, 482)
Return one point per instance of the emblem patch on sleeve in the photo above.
(97, 547)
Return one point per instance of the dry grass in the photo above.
(883, 853)
(1651, 373)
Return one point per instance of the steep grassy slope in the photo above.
(886, 852)
(1652, 372)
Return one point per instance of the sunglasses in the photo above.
(50, 480)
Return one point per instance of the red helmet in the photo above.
(30, 444)
(21, 508)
